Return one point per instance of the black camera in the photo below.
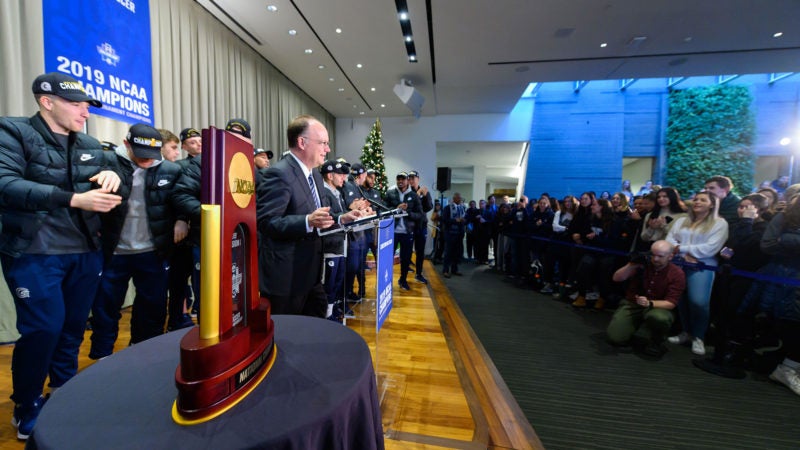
(639, 257)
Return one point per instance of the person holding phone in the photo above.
(658, 222)
(743, 252)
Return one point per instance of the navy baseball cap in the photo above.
(145, 141)
(261, 150)
(239, 126)
(188, 133)
(60, 85)
(335, 166)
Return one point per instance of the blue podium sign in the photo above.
(106, 46)
(385, 270)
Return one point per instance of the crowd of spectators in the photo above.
(712, 268)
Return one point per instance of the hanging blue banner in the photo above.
(385, 270)
(106, 46)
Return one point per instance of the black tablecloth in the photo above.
(320, 394)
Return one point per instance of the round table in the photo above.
(320, 394)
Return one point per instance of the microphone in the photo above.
(373, 202)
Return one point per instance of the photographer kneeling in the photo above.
(654, 290)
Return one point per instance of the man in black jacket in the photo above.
(137, 241)
(54, 180)
(334, 173)
(185, 261)
(401, 196)
(421, 231)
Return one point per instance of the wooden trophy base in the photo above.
(215, 374)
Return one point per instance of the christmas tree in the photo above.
(372, 156)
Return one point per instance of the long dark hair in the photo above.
(588, 210)
(792, 214)
(606, 212)
(676, 205)
(573, 201)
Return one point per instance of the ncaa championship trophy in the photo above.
(228, 355)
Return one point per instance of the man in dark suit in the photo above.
(290, 210)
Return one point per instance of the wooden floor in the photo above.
(438, 387)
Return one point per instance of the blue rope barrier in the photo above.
(677, 261)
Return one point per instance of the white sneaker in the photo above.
(698, 347)
(786, 376)
(679, 339)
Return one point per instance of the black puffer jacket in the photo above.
(186, 198)
(38, 177)
(160, 181)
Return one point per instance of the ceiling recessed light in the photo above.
(320, 67)
(359, 65)
(778, 34)
(272, 8)
(361, 113)
(372, 89)
(341, 89)
(412, 57)
(338, 31)
(331, 79)
(408, 38)
(403, 15)
(292, 32)
(604, 45)
(355, 106)
(383, 105)
(309, 51)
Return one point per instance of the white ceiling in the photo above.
(483, 54)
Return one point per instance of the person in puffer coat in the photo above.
(54, 180)
(138, 239)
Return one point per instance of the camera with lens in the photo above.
(639, 257)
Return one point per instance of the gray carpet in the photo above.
(579, 392)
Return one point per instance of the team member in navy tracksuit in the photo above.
(53, 182)
(334, 173)
(137, 240)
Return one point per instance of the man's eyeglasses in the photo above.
(322, 143)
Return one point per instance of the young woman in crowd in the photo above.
(772, 196)
(599, 235)
(742, 252)
(559, 254)
(780, 301)
(698, 238)
(541, 226)
(620, 204)
(658, 222)
(579, 228)
(503, 221)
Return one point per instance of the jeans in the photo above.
(694, 309)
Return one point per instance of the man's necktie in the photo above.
(313, 190)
